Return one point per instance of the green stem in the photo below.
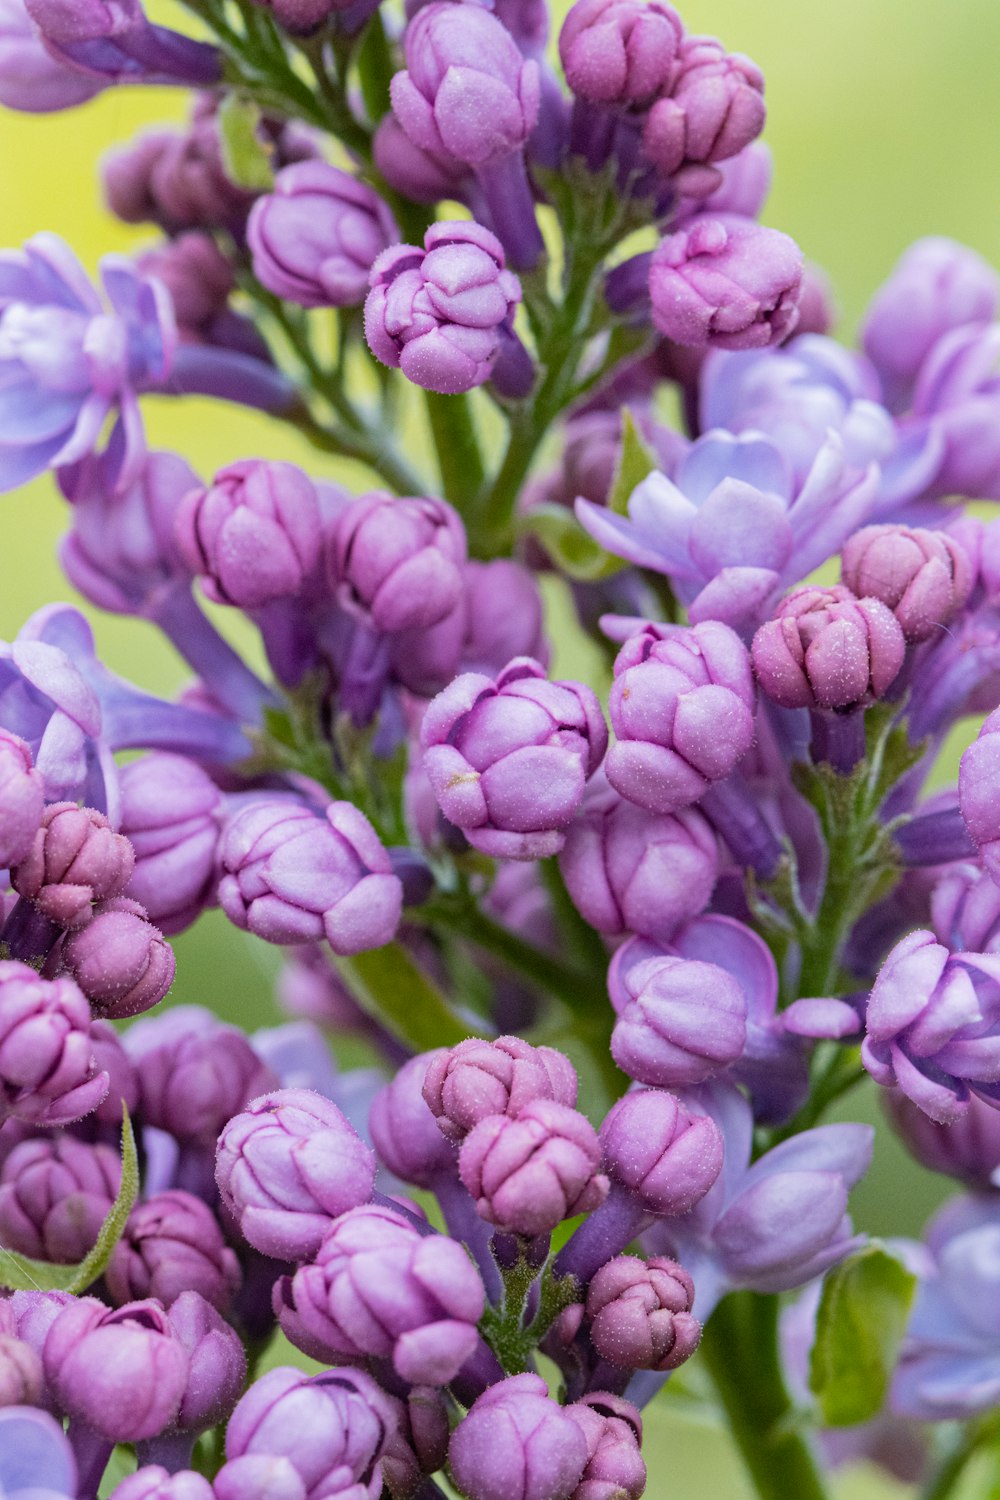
(456, 445)
(740, 1348)
(970, 1438)
(557, 978)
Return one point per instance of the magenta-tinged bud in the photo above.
(403, 1130)
(504, 616)
(508, 758)
(315, 236)
(48, 1073)
(619, 51)
(640, 1313)
(55, 1193)
(726, 283)
(22, 799)
(217, 1363)
(259, 1476)
(253, 536)
(379, 1288)
(475, 1079)
(530, 1172)
(122, 1371)
(613, 1430)
(123, 964)
(825, 649)
(397, 564)
(294, 876)
(516, 1443)
(665, 1155)
(438, 314)
(978, 775)
(76, 859)
(924, 577)
(424, 176)
(680, 1021)
(713, 109)
(682, 708)
(22, 1380)
(194, 1073)
(152, 1482)
(170, 815)
(287, 1166)
(173, 1243)
(629, 872)
(198, 277)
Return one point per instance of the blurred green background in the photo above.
(881, 121)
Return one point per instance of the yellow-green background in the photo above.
(883, 122)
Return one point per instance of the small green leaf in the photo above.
(244, 156)
(21, 1274)
(861, 1319)
(390, 986)
(636, 463)
(571, 548)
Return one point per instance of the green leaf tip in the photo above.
(859, 1325)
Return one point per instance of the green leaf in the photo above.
(390, 986)
(244, 156)
(571, 548)
(637, 461)
(21, 1274)
(861, 1319)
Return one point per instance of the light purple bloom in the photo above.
(35, 1456)
(620, 52)
(31, 79)
(113, 40)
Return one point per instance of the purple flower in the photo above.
(640, 1313)
(439, 314)
(504, 616)
(509, 758)
(293, 876)
(933, 1026)
(725, 282)
(682, 708)
(172, 1243)
(516, 1443)
(113, 40)
(76, 860)
(68, 360)
(397, 564)
(218, 1364)
(55, 1193)
(31, 79)
(170, 815)
(123, 964)
(712, 108)
(424, 176)
(315, 236)
(968, 1148)
(48, 1074)
(378, 1288)
(35, 1456)
(925, 577)
(152, 1482)
(259, 1476)
(287, 1166)
(613, 1430)
(660, 1151)
(619, 52)
(680, 1021)
(957, 397)
(825, 649)
(22, 1379)
(978, 772)
(404, 1131)
(22, 799)
(465, 1084)
(734, 527)
(529, 1172)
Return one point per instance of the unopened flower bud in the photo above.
(172, 1243)
(397, 564)
(76, 859)
(48, 1070)
(22, 799)
(519, 1444)
(478, 1078)
(667, 1156)
(924, 577)
(713, 109)
(55, 1193)
(123, 964)
(620, 51)
(680, 1021)
(825, 649)
(530, 1172)
(640, 1313)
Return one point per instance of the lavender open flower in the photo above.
(618, 52)
(287, 1166)
(529, 1172)
(682, 708)
(640, 1313)
(35, 1456)
(378, 1288)
(466, 1083)
(397, 563)
(516, 1443)
(509, 758)
(933, 1026)
(712, 108)
(924, 577)
(22, 799)
(293, 876)
(439, 314)
(170, 816)
(55, 1193)
(826, 649)
(68, 360)
(172, 1243)
(48, 1072)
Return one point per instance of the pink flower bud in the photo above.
(475, 1079)
(825, 649)
(640, 1313)
(529, 1173)
(924, 577)
(75, 860)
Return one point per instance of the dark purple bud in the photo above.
(172, 1243)
(405, 1133)
(22, 1380)
(427, 1411)
(516, 1443)
(726, 282)
(397, 564)
(287, 1166)
(170, 814)
(508, 758)
(529, 1172)
(682, 707)
(123, 964)
(378, 1288)
(665, 1155)
(680, 1021)
(619, 51)
(152, 1482)
(55, 1193)
(33, 1314)
(75, 860)
(218, 1364)
(924, 577)
(198, 277)
(122, 1371)
(978, 778)
(504, 616)
(477, 1078)
(315, 236)
(295, 876)
(254, 535)
(22, 799)
(424, 176)
(713, 109)
(467, 91)
(613, 1430)
(629, 872)
(825, 649)
(437, 314)
(640, 1313)
(194, 1073)
(48, 1072)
